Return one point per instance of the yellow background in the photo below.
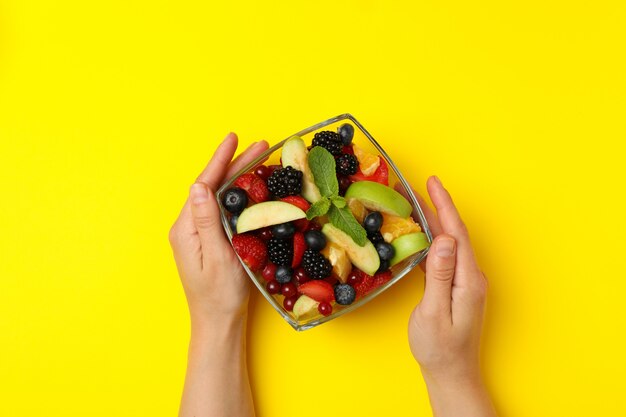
(108, 110)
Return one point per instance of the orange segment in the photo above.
(357, 208)
(339, 260)
(394, 226)
(368, 163)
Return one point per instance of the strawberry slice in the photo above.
(302, 204)
(365, 285)
(369, 283)
(381, 175)
(297, 201)
(254, 186)
(251, 250)
(298, 249)
(381, 278)
(318, 290)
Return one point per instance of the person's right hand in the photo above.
(445, 327)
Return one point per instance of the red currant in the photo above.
(269, 272)
(325, 308)
(273, 287)
(263, 172)
(354, 278)
(289, 289)
(301, 276)
(288, 302)
(273, 168)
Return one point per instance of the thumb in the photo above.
(206, 217)
(440, 266)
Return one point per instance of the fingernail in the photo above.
(445, 247)
(437, 180)
(199, 193)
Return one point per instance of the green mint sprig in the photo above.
(322, 165)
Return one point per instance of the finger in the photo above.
(215, 170)
(206, 219)
(184, 224)
(440, 266)
(250, 154)
(452, 224)
(429, 214)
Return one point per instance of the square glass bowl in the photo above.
(365, 141)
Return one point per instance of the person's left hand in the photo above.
(212, 276)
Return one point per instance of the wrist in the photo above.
(217, 322)
(454, 394)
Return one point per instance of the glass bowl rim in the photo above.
(417, 258)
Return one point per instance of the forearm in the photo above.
(216, 383)
(453, 398)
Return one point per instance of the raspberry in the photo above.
(347, 164)
(315, 265)
(284, 182)
(331, 141)
(251, 250)
(280, 251)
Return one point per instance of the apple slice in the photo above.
(378, 197)
(407, 245)
(363, 257)
(266, 214)
(304, 307)
(295, 155)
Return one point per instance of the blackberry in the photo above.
(315, 265)
(347, 164)
(331, 141)
(375, 237)
(280, 251)
(285, 181)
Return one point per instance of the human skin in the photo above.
(444, 328)
(217, 291)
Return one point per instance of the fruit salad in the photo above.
(324, 228)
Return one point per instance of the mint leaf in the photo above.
(343, 219)
(319, 208)
(339, 202)
(322, 165)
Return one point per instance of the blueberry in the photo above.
(344, 294)
(315, 240)
(385, 251)
(384, 265)
(233, 222)
(346, 131)
(372, 222)
(283, 230)
(235, 200)
(283, 274)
